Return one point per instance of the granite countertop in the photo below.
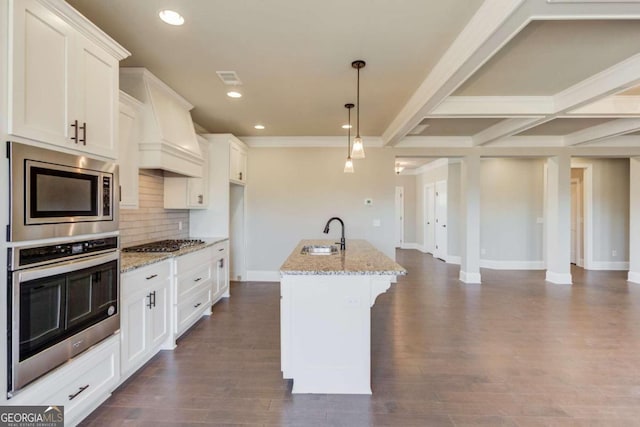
(360, 258)
(132, 260)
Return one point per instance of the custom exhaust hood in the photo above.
(168, 139)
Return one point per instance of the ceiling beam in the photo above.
(613, 106)
(492, 26)
(603, 131)
(506, 128)
(488, 106)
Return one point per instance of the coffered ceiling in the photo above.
(477, 72)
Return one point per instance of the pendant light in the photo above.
(398, 168)
(348, 165)
(358, 146)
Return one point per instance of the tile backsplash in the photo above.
(151, 221)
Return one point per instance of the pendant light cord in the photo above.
(349, 135)
(358, 106)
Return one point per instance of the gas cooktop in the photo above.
(165, 245)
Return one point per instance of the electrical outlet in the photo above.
(614, 253)
(179, 225)
(376, 223)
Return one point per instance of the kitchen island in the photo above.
(325, 315)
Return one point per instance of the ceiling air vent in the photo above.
(229, 77)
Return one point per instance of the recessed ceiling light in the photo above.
(259, 127)
(171, 17)
(234, 94)
(346, 126)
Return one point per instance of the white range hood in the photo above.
(168, 139)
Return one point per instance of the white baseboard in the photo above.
(634, 276)
(454, 259)
(511, 265)
(558, 278)
(470, 278)
(263, 276)
(415, 246)
(609, 265)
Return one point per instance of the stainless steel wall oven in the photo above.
(56, 194)
(63, 298)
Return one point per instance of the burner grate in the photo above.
(165, 245)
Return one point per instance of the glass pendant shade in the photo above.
(348, 166)
(357, 152)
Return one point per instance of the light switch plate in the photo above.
(376, 223)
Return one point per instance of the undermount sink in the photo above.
(319, 250)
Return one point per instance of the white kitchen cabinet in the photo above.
(145, 321)
(63, 85)
(238, 162)
(193, 288)
(128, 137)
(220, 286)
(79, 385)
(189, 193)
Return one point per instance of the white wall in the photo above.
(511, 201)
(610, 209)
(454, 206)
(408, 182)
(292, 193)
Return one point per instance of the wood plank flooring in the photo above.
(514, 351)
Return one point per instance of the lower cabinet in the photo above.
(80, 385)
(220, 286)
(194, 275)
(145, 325)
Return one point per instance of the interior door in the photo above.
(429, 218)
(399, 216)
(574, 220)
(440, 250)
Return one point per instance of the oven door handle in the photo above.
(66, 267)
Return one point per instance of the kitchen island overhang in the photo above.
(325, 316)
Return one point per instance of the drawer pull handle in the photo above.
(197, 305)
(221, 249)
(152, 276)
(198, 279)
(74, 395)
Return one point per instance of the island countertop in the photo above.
(360, 258)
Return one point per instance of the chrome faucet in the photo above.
(326, 231)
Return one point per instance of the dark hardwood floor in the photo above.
(514, 351)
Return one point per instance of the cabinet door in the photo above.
(96, 86)
(235, 153)
(39, 86)
(198, 188)
(159, 322)
(128, 157)
(134, 330)
(222, 273)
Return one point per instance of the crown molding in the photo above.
(305, 141)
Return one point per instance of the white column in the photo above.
(634, 220)
(470, 219)
(558, 219)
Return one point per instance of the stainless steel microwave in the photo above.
(55, 194)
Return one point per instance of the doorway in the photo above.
(577, 215)
(399, 217)
(429, 218)
(440, 249)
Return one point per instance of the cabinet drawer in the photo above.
(191, 309)
(80, 385)
(194, 279)
(145, 277)
(220, 249)
(193, 260)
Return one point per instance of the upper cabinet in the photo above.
(63, 86)
(189, 193)
(128, 137)
(237, 161)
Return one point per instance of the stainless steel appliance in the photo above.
(62, 299)
(56, 194)
(165, 245)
